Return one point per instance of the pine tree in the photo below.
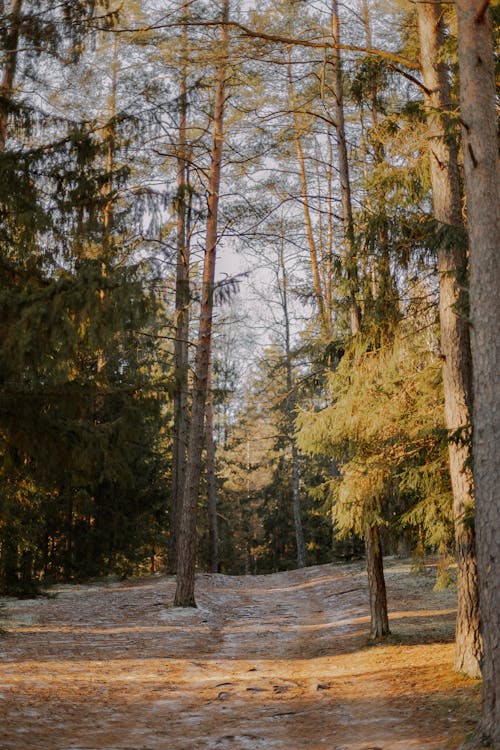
(186, 550)
(73, 414)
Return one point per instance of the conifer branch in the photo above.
(280, 39)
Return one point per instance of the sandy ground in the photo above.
(278, 662)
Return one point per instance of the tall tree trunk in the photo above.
(213, 527)
(110, 138)
(186, 557)
(455, 342)
(290, 417)
(384, 293)
(107, 213)
(374, 557)
(345, 184)
(9, 71)
(323, 312)
(182, 300)
(482, 185)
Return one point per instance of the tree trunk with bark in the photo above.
(482, 185)
(9, 551)
(290, 417)
(213, 526)
(182, 300)
(374, 558)
(324, 313)
(186, 549)
(345, 184)
(376, 583)
(454, 325)
(9, 71)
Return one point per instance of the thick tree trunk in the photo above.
(376, 583)
(455, 342)
(186, 550)
(482, 184)
(9, 71)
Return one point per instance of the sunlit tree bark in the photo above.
(482, 185)
(373, 544)
(455, 342)
(186, 550)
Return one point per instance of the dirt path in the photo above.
(276, 662)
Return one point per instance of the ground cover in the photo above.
(280, 662)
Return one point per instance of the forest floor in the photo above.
(279, 662)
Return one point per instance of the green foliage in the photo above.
(384, 428)
(83, 387)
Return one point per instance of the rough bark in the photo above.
(376, 583)
(186, 550)
(9, 71)
(182, 299)
(455, 341)
(482, 185)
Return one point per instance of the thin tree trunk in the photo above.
(182, 299)
(455, 342)
(110, 151)
(345, 185)
(9, 71)
(328, 263)
(383, 287)
(374, 558)
(482, 185)
(68, 557)
(297, 517)
(108, 211)
(376, 583)
(186, 557)
(313, 252)
(213, 530)
(290, 416)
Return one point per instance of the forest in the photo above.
(249, 297)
